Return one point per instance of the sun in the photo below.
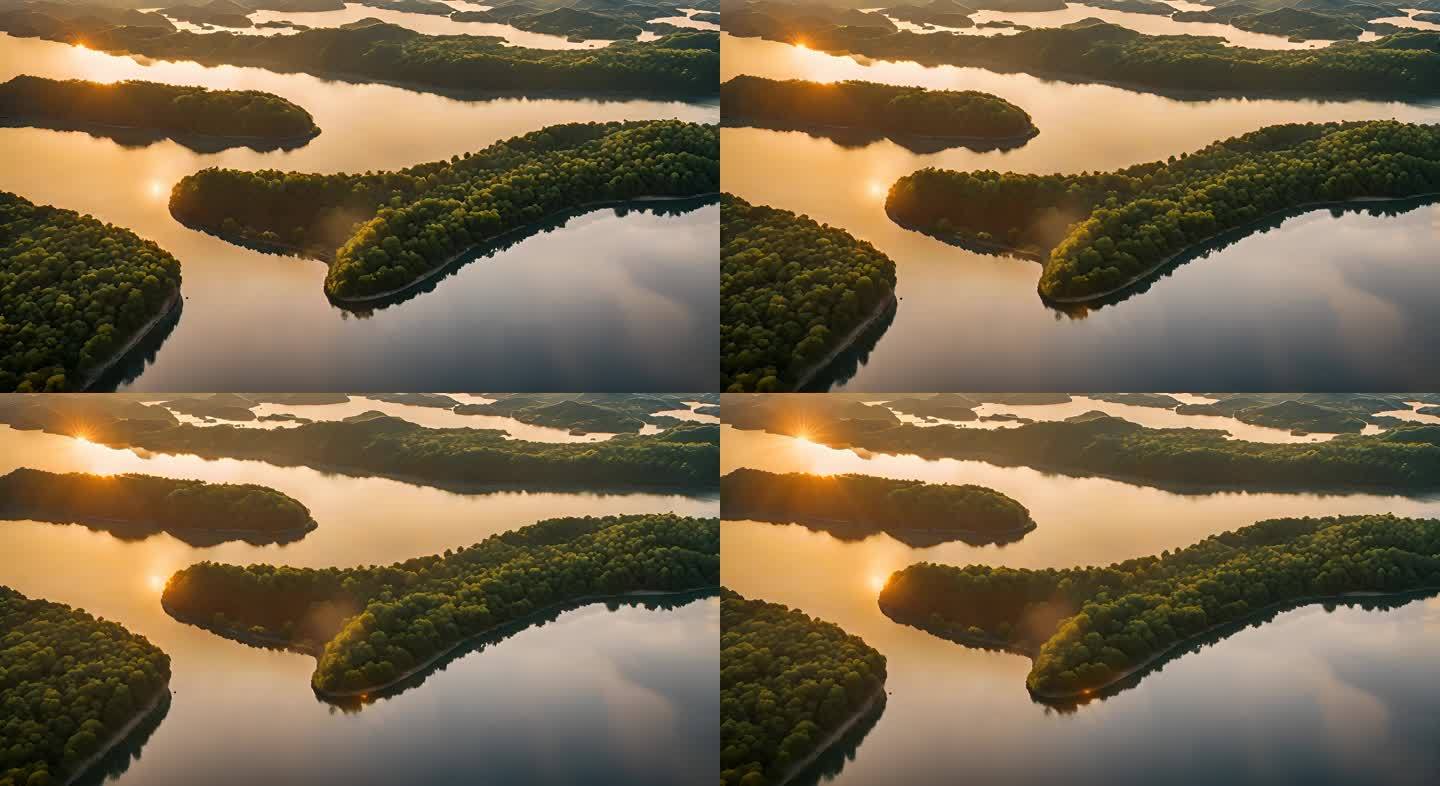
(877, 189)
(877, 581)
(156, 582)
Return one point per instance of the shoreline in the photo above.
(1246, 228)
(432, 273)
(95, 374)
(102, 523)
(886, 304)
(1109, 687)
(967, 536)
(519, 623)
(109, 744)
(180, 137)
(1198, 487)
(833, 737)
(898, 137)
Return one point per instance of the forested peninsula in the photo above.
(180, 112)
(911, 116)
(684, 457)
(1404, 459)
(385, 233)
(790, 686)
(1090, 628)
(1402, 65)
(681, 64)
(144, 504)
(71, 686)
(75, 295)
(1134, 221)
(373, 627)
(793, 294)
(911, 511)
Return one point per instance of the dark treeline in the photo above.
(680, 64)
(370, 626)
(171, 109)
(1403, 459)
(73, 291)
(686, 456)
(68, 683)
(168, 504)
(787, 681)
(1403, 64)
(1124, 224)
(951, 114)
(586, 412)
(1089, 627)
(396, 228)
(791, 290)
(910, 510)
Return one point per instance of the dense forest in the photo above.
(1400, 65)
(791, 290)
(414, 221)
(584, 412)
(911, 511)
(68, 683)
(73, 292)
(957, 115)
(1088, 627)
(152, 503)
(1402, 459)
(682, 64)
(171, 109)
(1133, 220)
(371, 626)
(787, 681)
(686, 456)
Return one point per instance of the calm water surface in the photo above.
(1323, 302)
(1314, 696)
(612, 300)
(600, 695)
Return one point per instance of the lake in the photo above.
(607, 300)
(619, 694)
(1326, 300)
(1315, 695)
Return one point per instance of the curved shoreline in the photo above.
(104, 524)
(867, 528)
(896, 136)
(808, 374)
(267, 640)
(265, 143)
(1245, 229)
(95, 374)
(432, 273)
(829, 741)
(109, 744)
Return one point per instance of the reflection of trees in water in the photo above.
(668, 602)
(1369, 603)
(851, 138)
(144, 137)
(664, 209)
(133, 363)
(847, 364)
(1386, 209)
(832, 761)
(117, 760)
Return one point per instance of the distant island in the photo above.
(235, 116)
(385, 233)
(577, 24)
(911, 511)
(1090, 629)
(1404, 459)
(677, 65)
(793, 295)
(1402, 64)
(372, 628)
(144, 504)
(1130, 224)
(913, 117)
(791, 685)
(78, 295)
(682, 457)
(73, 688)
